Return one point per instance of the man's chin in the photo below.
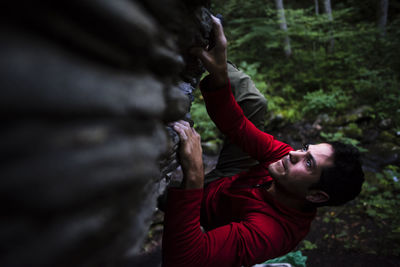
(273, 170)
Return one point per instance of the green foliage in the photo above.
(319, 101)
(382, 194)
(360, 70)
(308, 245)
(257, 77)
(203, 124)
(379, 199)
(340, 137)
(275, 102)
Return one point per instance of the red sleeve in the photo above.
(251, 241)
(230, 120)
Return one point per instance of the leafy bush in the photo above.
(203, 124)
(379, 199)
(340, 137)
(318, 101)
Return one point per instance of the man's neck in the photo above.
(287, 199)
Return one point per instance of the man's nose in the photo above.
(295, 156)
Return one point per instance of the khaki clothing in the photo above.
(232, 159)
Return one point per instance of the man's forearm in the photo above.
(218, 80)
(182, 236)
(193, 180)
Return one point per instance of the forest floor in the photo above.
(330, 246)
(338, 238)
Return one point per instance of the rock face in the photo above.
(86, 90)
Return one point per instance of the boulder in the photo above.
(87, 88)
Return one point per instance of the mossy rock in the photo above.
(387, 136)
(363, 113)
(275, 121)
(383, 153)
(352, 130)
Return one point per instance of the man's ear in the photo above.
(317, 196)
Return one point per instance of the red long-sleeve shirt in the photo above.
(243, 224)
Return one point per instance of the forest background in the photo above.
(330, 71)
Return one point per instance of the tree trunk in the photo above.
(283, 26)
(383, 14)
(328, 11)
(316, 3)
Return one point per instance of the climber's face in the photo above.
(300, 169)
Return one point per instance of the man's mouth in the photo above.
(283, 161)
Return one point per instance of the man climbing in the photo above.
(250, 211)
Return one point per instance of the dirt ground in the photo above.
(330, 250)
(320, 258)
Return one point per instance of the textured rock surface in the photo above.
(86, 90)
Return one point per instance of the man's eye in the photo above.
(305, 147)
(308, 163)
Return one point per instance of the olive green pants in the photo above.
(232, 159)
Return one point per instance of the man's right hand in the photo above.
(214, 60)
(190, 154)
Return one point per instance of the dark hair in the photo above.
(343, 181)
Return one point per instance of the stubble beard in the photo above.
(279, 169)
